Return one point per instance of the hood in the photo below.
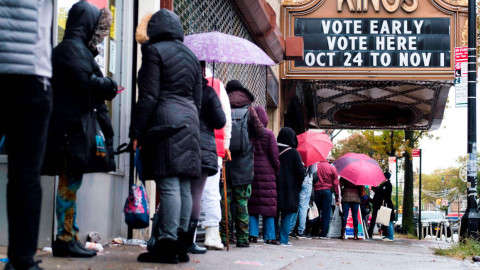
(287, 136)
(161, 26)
(239, 99)
(83, 21)
(262, 115)
(235, 85)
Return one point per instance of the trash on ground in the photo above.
(94, 246)
(130, 242)
(476, 258)
(94, 237)
(47, 249)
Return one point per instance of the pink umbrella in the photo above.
(314, 147)
(359, 169)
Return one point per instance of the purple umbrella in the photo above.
(224, 48)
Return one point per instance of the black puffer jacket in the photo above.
(211, 117)
(166, 117)
(78, 87)
(292, 172)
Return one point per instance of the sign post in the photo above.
(418, 153)
(470, 220)
(461, 77)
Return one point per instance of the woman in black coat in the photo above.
(78, 89)
(211, 117)
(289, 181)
(165, 123)
(383, 196)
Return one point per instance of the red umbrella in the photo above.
(314, 147)
(359, 169)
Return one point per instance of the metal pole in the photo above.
(420, 197)
(396, 183)
(470, 220)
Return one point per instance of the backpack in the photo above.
(240, 140)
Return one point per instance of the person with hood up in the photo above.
(289, 182)
(165, 124)
(383, 196)
(264, 187)
(78, 88)
(211, 117)
(25, 108)
(211, 192)
(239, 171)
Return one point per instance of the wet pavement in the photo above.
(305, 254)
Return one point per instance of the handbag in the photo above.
(136, 209)
(313, 213)
(383, 215)
(98, 160)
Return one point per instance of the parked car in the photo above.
(435, 219)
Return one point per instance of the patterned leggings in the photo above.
(66, 205)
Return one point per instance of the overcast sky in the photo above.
(453, 138)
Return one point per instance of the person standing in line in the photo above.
(383, 196)
(25, 63)
(305, 195)
(211, 117)
(264, 188)
(239, 171)
(351, 199)
(211, 193)
(165, 124)
(289, 182)
(327, 180)
(78, 89)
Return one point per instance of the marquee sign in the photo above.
(375, 43)
(374, 39)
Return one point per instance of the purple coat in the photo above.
(266, 167)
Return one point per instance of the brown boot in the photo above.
(355, 234)
(342, 234)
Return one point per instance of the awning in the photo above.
(261, 20)
(410, 105)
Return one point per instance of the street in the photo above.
(305, 254)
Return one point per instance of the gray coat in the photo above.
(25, 37)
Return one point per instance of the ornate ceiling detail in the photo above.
(457, 2)
(378, 104)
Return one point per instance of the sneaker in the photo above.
(301, 236)
(324, 237)
(308, 237)
(387, 240)
(287, 245)
(292, 235)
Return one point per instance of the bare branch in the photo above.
(419, 135)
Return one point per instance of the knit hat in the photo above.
(235, 85)
(387, 175)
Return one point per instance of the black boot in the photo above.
(183, 243)
(193, 248)
(165, 251)
(79, 244)
(65, 249)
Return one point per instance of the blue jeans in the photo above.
(303, 206)
(323, 200)
(285, 226)
(268, 227)
(346, 208)
(390, 231)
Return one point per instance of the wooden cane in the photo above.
(224, 179)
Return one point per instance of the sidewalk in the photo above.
(305, 254)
